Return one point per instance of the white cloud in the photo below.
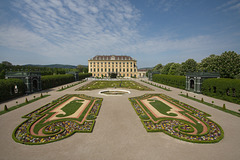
(230, 5)
(73, 29)
(164, 5)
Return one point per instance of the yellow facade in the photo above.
(103, 66)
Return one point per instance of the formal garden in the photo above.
(58, 120)
(114, 84)
(161, 113)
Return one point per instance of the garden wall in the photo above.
(7, 88)
(170, 80)
(223, 88)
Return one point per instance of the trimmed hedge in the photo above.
(170, 80)
(7, 88)
(84, 75)
(56, 80)
(223, 88)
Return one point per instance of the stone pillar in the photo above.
(28, 84)
(187, 83)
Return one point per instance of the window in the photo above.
(123, 69)
(105, 69)
(131, 70)
(94, 70)
(101, 70)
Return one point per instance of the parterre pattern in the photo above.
(44, 125)
(180, 120)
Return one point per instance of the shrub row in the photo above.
(84, 75)
(170, 80)
(7, 88)
(226, 89)
(56, 80)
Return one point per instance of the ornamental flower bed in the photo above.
(44, 125)
(176, 119)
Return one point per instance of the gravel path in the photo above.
(119, 133)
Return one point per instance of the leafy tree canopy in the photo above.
(166, 68)
(175, 69)
(189, 65)
(158, 67)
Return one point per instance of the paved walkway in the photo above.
(119, 133)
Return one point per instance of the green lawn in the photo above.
(114, 84)
(71, 108)
(162, 107)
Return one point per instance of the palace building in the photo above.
(106, 65)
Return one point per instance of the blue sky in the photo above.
(151, 31)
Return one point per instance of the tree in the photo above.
(158, 67)
(81, 68)
(189, 65)
(209, 63)
(166, 68)
(175, 69)
(229, 64)
(6, 63)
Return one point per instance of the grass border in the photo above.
(69, 86)
(212, 105)
(157, 86)
(22, 104)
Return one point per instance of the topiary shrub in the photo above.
(224, 106)
(5, 108)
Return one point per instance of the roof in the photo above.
(203, 74)
(111, 57)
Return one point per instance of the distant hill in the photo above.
(53, 66)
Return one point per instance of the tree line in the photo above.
(227, 65)
(6, 66)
